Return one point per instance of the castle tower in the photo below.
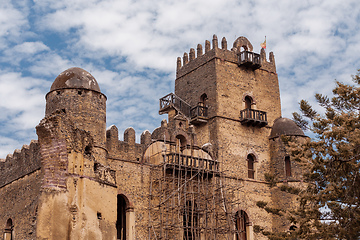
(232, 98)
(77, 93)
(78, 186)
(240, 91)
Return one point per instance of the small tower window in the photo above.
(287, 166)
(9, 230)
(251, 169)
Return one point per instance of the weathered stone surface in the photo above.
(67, 185)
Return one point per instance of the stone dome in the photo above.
(75, 78)
(287, 127)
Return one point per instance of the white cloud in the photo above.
(131, 47)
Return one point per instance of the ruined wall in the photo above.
(78, 192)
(20, 181)
(19, 202)
(20, 163)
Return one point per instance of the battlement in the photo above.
(127, 149)
(20, 163)
(192, 60)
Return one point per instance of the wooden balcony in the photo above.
(180, 162)
(173, 101)
(199, 114)
(251, 117)
(249, 59)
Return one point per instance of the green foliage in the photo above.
(270, 179)
(289, 189)
(330, 207)
(275, 211)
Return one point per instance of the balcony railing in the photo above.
(253, 117)
(171, 100)
(249, 59)
(185, 162)
(197, 114)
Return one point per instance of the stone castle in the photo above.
(201, 175)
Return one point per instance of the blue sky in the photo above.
(131, 46)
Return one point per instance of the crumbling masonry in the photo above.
(199, 175)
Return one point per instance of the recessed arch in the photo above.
(181, 142)
(242, 224)
(203, 99)
(125, 218)
(9, 230)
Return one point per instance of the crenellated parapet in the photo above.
(20, 163)
(194, 59)
(128, 149)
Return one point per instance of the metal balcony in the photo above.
(253, 117)
(249, 59)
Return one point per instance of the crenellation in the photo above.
(224, 43)
(145, 138)
(215, 43)
(199, 50)
(178, 63)
(185, 59)
(192, 54)
(129, 136)
(207, 46)
(20, 163)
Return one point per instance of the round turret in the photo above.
(75, 78)
(287, 127)
(77, 93)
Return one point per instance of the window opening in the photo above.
(241, 225)
(121, 218)
(203, 99)
(251, 170)
(180, 143)
(287, 166)
(190, 221)
(248, 102)
(9, 230)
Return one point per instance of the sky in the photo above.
(131, 46)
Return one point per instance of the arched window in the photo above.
(121, 217)
(9, 228)
(191, 221)
(242, 225)
(287, 166)
(180, 143)
(203, 99)
(251, 169)
(248, 102)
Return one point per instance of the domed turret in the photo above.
(75, 78)
(285, 126)
(77, 93)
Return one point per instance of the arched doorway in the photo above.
(121, 217)
(241, 225)
(191, 221)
